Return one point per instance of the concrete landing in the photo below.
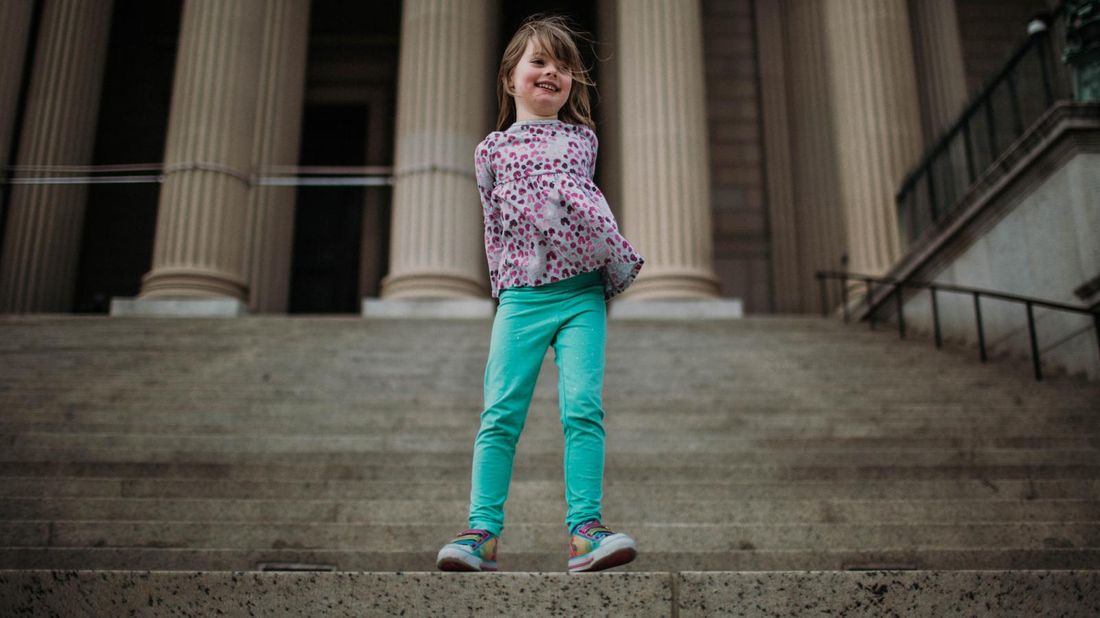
(835, 593)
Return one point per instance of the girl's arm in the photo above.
(490, 211)
(595, 148)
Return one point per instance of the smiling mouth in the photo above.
(547, 87)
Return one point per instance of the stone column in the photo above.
(375, 198)
(939, 62)
(791, 295)
(814, 170)
(270, 222)
(878, 128)
(199, 250)
(445, 85)
(666, 185)
(45, 221)
(15, 22)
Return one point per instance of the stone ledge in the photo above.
(178, 307)
(715, 309)
(688, 593)
(446, 308)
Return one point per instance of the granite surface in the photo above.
(889, 593)
(254, 593)
(699, 593)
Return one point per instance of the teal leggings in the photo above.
(571, 315)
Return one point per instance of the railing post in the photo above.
(936, 317)
(824, 295)
(933, 206)
(1014, 99)
(870, 314)
(981, 332)
(970, 173)
(844, 297)
(901, 314)
(1096, 323)
(1034, 343)
(991, 125)
(1045, 69)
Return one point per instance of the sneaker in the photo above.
(471, 550)
(594, 547)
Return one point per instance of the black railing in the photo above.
(1018, 95)
(897, 289)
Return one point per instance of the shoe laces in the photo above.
(594, 529)
(473, 536)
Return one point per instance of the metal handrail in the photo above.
(954, 162)
(898, 288)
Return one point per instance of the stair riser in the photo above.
(431, 510)
(634, 594)
(627, 491)
(109, 558)
(547, 537)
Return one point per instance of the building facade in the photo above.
(166, 149)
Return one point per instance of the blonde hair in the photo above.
(555, 37)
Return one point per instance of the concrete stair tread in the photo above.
(683, 593)
(109, 558)
(546, 510)
(146, 486)
(656, 536)
(761, 444)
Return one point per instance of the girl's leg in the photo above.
(522, 330)
(579, 355)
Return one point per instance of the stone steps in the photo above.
(760, 444)
(209, 483)
(684, 593)
(550, 510)
(990, 430)
(818, 559)
(711, 447)
(666, 537)
(348, 466)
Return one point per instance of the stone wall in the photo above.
(741, 234)
(1030, 230)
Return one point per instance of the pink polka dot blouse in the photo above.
(545, 219)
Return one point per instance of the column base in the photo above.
(433, 308)
(673, 285)
(709, 309)
(178, 307)
(192, 282)
(431, 285)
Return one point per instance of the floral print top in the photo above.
(545, 219)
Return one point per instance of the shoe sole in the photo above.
(612, 553)
(455, 559)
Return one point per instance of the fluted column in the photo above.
(199, 250)
(43, 231)
(15, 22)
(270, 222)
(445, 85)
(790, 293)
(939, 62)
(666, 186)
(821, 237)
(878, 129)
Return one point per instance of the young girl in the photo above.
(555, 257)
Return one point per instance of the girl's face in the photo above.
(540, 85)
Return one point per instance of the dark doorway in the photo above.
(328, 220)
(120, 219)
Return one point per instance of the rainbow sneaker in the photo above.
(472, 550)
(594, 547)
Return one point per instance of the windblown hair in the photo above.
(557, 38)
